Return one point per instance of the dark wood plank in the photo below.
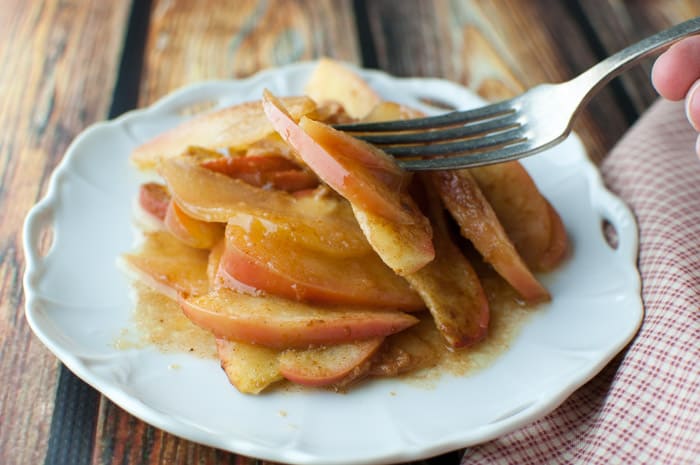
(617, 24)
(58, 69)
(496, 49)
(187, 43)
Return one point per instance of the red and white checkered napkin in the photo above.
(644, 407)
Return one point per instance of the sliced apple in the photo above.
(233, 127)
(213, 262)
(524, 213)
(332, 365)
(416, 348)
(390, 111)
(280, 323)
(405, 248)
(266, 171)
(332, 81)
(214, 197)
(169, 266)
(154, 199)
(449, 285)
(253, 257)
(558, 243)
(250, 368)
(479, 223)
(367, 177)
(191, 231)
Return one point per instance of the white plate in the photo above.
(78, 303)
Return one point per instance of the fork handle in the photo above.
(594, 78)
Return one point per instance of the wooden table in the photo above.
(67, 64)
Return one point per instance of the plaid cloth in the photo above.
(644, 407)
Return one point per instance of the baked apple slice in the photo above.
(169, 266)
(449, 285)
(281, 323)
(214, 197)
(266, 171)
(191, 231)
(250, 368)
(154, 199)
(527, 217)
(233, 127)
(333, 365)
(371, 181)
(253, 258)
(479, 223)
(333, 82)
(359, 172)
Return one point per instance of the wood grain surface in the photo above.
(48, 94)
(68, 63)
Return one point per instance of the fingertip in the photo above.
(692, 105)
(677, 69)
(663, 78)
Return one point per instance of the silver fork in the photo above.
(511, 129)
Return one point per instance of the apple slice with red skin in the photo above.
(252, 257)
(281, 324)
(154, 199)
(191, 231)
(333, 365)
(449, 285)
(527, 217)
(359, 172)
(478, 222)
(214, 197)
(372, 182)
(266, 171)
(234, 127)
(250, 368)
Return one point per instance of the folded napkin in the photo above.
(644, 407)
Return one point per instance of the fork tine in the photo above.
(448, 119)
(509, 136)
(503, 154)
(499, 123)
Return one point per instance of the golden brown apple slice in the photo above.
(416, 348)
(169, 266)
(191, 231)
(333, 82)
(214, 262)
(250, 368)
(359, 172)
(281, 324)
(527, 217)
(214, 197)
(322, 239)
(449, 285)
(558, 243)
(478, 223)
(332, 365)
(253, 257)
(233, 127)
(389, 111)
(405, 248)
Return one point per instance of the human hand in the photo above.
(676, 76)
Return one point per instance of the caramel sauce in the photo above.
(159, 322)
